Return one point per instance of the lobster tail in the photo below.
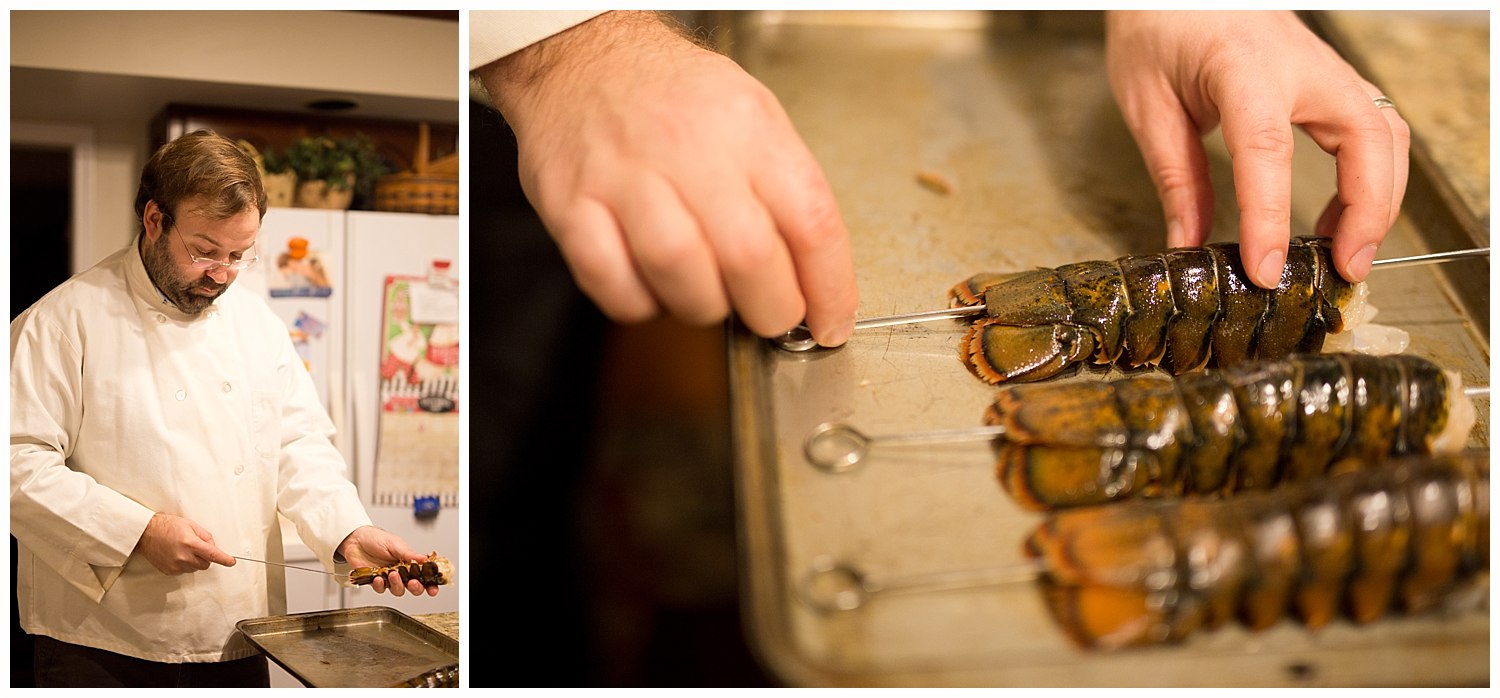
(1250, 427)
(435, 569)
(1361, 544)
(1180, 310)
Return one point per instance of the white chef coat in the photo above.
(122, 406)
(495, 34)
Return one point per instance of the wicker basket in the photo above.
(413, 193)
(427, 188)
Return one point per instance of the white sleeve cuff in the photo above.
(495, 34)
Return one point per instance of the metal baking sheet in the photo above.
(1013, 111)
(367, 647)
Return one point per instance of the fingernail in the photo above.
(1268, 274)
(1359, 264)
(840, 335)
(1175, 236)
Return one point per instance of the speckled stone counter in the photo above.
(1436, 67)
(445, 623)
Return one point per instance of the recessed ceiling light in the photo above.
(331, 105)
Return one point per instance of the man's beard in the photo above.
(169, 279)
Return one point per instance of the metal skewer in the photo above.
(837, 448)
(799, 338)
(343, 577)
(832, 586)
(1435, 257)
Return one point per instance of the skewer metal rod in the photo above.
(924, 316)
(343, 577)
(836, 586)
(837, 448)
(1435, 257)
(800, 339)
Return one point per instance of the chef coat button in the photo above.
(238, 469)
(160, 318)
(227, 386)
(181, 395)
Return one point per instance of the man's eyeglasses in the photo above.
(207, 263)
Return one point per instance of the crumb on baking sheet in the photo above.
(934, 182)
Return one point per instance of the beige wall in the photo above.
(110, 72)
(105, 218)
(358, 52)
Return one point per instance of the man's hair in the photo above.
(201, 163)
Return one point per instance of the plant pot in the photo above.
(317, 194)
(281, 189)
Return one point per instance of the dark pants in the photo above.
(64, 665)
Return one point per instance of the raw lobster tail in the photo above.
(1248, 427)
(434, 570)
(1408, 537)
(1179, 310)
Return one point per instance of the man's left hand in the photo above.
(1256, 75)
(369, 546)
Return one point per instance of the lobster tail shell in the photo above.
(970, 291)
(997, 353)
(1095, 293)
(1363, 544)
(1148, 288)
(1250, 427)
(433, 570)
(1180, 310)
(1294, 321)
(1242, 305)
(1194, 278)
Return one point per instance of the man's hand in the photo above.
(175, 545)
(369, 546)
(673, 180)
(1177, 75)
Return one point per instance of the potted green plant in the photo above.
(275, 174)
(279, 179)
(331, 170)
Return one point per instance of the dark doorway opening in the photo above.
(41, 215)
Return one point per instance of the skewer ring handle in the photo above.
(831, 587)
(835, 448)
(798, 338)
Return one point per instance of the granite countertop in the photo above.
(1436, 67)
(445, 623)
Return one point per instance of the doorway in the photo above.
(41, 197)
(45, 176)
(52, 170)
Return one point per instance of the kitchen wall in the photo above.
(110, 72)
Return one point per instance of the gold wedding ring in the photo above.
(1384, 102)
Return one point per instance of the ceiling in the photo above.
(48, 96)
(44, 95)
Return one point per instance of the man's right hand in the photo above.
(176, 545)
(674, 181)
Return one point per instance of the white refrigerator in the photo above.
(330, 276)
